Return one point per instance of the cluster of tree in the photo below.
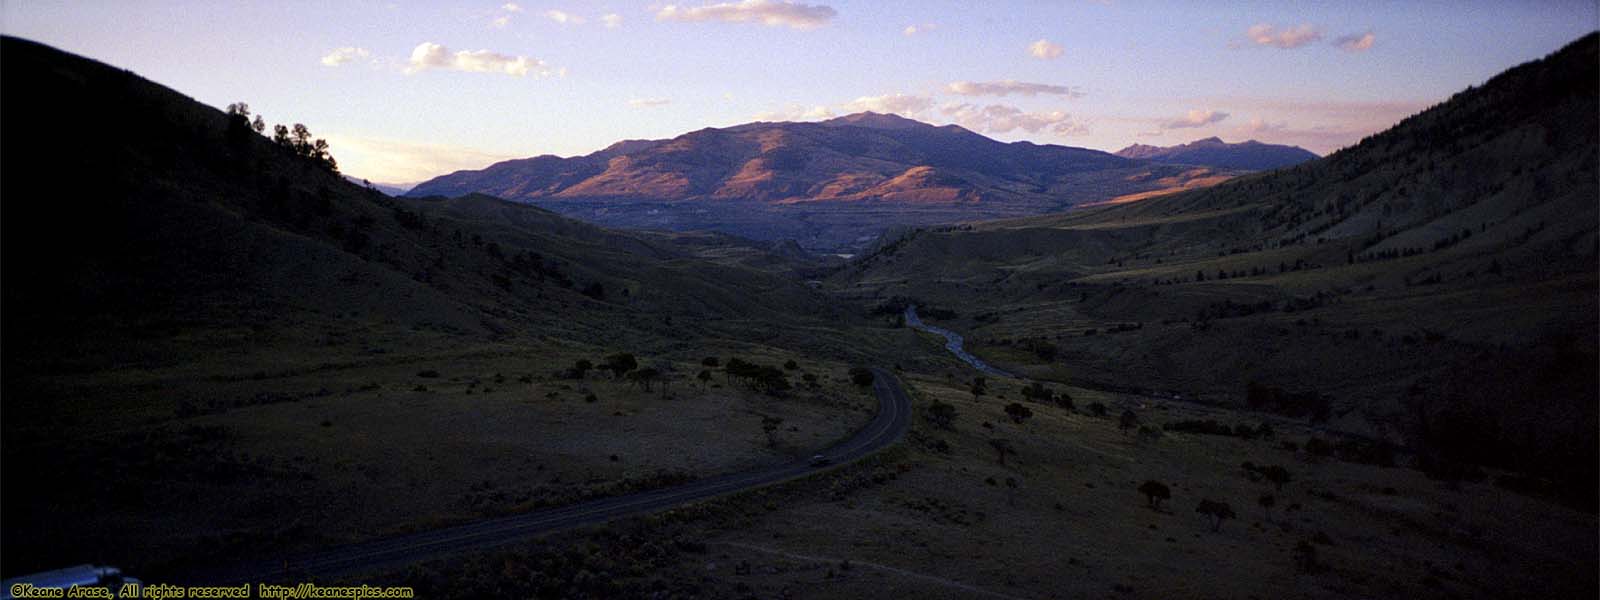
(1212, 427)
(1046, 351)
(1037, 392)
(578, 370)
(1155, 492)
(897, 306)
(297, 138)
(1354, 450)
(766, 378)
(1294, 404)
(1274, 474)
(533, 264)
(861, 376)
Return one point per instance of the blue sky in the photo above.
(421, 89)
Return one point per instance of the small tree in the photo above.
(704, 377)
(1218, 511)
(1002, 447)
(769, 425)
(1018, 412)
(581, 368)
(942, 414)
(978, 388)
(862, 376)
(1267, 501)
(644, 377)
(710, 361)
(1305, 557)
(790, 365)
(1127, 421)
(1154, 492)
(620, 363)
(1277, 475)
(1097, 409)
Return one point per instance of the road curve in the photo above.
(887, 426)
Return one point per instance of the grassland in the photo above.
(938, 518)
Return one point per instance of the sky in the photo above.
(404, 91)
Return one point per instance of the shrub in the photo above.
(1218, 511)
(1154, 492)
(1127, 421)
(861, 376)
(1277, 475)
(942, 414)
(1018, 412)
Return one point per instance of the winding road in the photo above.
(952, 343)
(887, 426)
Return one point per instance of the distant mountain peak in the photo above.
(876, 120)
(1213, 152)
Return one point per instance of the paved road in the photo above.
(952, 343)
(886, 427)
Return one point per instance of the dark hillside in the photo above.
(1435, 285)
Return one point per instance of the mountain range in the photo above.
(1249, 155)
(829, 185)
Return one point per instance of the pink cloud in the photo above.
(1355, 42)
(1263, 34)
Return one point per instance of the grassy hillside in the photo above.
(1435, 285)
(1062, 516)
(216, 346)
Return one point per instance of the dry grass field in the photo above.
(947, 523)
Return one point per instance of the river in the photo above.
(952, 343)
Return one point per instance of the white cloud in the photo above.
(902, 104)
(500, 22)
(429, 55)
(611, 20)
(1045, 49)
(771, 13)
(796, 112)
(1356, 42)
(1009, 86)
(1000, 118)
(563, 17)
(511, 7)
(339, 56)
(919, 28)
(649, 102)
(1263, 34)
(1194, 118)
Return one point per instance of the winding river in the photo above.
(953, 343)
